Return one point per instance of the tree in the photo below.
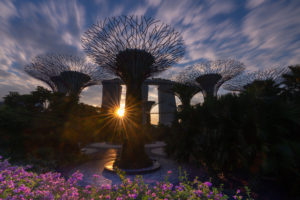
(209, 76)
(262, 89)
(291, 80)
(134, 49)
(64, 73)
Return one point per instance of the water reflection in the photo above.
(111, 156)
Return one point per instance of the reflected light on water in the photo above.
(109, 165)
(111, 156)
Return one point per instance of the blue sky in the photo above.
(259, 33)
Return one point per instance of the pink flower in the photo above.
(96, 176)
(170, 172)
(208, 184)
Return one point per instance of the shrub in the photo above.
(44, 126)
(18, 183)
(255, 132)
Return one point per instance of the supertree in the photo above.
(184, 89)
(239, 83)
(67, 74)
(133, 48)
(209, 76)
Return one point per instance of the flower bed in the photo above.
(18, 183)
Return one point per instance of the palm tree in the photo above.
(134, 49)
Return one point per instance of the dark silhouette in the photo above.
(238, 83)
(185, 92)
(65, 74)
(134, 49)
(210, 76)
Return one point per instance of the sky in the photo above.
(259, 33)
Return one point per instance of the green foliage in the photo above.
(255, 132)
(48, 128)
(292, 84)
(18, 183)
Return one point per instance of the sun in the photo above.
(120, 112)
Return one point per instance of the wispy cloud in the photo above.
(31, 29)
(260, 33)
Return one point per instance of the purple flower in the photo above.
(96, 176)
(208, 184)
(132, 196)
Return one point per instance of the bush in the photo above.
(46, 127)
(255, 132)
(18, 183)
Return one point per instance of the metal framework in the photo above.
(238, 83)
(133, 45)
(133, 48)
(184, 89)
(209, 76)
(64, 73)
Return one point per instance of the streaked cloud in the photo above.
(260, 33)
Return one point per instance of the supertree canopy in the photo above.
(184, 89)
(209, 76)
(133, 48)
(66, 74)
(239, 83)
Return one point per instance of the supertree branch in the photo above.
(133, 48)
(209, 76)
(150, 44)
(238, 83)
(65, 73)
(184, 89)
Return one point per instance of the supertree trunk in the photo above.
(133, 154)
(134, 49)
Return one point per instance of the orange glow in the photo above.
(120, 112)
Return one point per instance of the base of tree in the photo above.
(133, 156)
(112, 167)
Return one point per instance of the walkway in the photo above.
(103, 153)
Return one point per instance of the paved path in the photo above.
(103, 153)
(103, 145)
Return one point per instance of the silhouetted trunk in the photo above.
(133, 154)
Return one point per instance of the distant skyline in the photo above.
(259, 33)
